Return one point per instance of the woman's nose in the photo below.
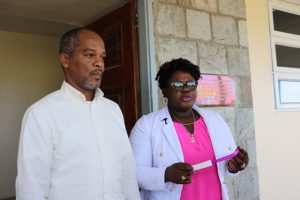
(186, 89)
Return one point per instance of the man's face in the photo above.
(85, 67)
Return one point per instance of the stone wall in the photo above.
(213, 35)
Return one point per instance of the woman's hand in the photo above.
(180, 173)
(239, 162)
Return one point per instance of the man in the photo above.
(73, 143)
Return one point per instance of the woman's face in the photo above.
(180, 99)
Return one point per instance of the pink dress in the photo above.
(205, 182)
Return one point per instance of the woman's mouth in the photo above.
(186, 98)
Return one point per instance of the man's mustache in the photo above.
(96, 72)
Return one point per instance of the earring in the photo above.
(166, 100)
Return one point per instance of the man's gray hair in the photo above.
(70, 40)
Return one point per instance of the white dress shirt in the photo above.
(73, 149)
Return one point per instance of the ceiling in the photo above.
(52, 17)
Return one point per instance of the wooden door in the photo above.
(121, 78)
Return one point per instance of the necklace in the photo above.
(192, 138)
(186, 124)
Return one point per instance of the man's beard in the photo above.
(88, 83)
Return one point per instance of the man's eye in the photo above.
(90, 55)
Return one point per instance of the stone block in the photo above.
(198, 25)
(169, 49)
(212, 58)
(161, 99)
(224, 30)
(297, 2)
(234, 8)
(171, 20)
(246, 185)
(244, 123)
(246, 92)
(250, 147)
(207, 5)
(184, 3)
(229, 181)
(228, 114)
(243, 92)
(238, 89)
(238, 61)
(167, 1)
(243, 35)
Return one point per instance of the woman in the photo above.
(169, 143)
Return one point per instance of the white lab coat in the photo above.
(72, 149)
(156, 146)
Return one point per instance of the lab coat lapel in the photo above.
(170, 133)
(216, 132)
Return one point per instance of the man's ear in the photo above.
(64, 59)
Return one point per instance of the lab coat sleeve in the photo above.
(34, 158)
(149, 177)
(227, 136)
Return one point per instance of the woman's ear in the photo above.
(165, 92)
(64, 59)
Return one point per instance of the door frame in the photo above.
(147, 64)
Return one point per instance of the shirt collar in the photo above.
(76, 94)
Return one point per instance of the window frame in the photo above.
(285, 7)
(285, 77)
(285, 39)
(284, 42)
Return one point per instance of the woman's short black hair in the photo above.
(167, 69)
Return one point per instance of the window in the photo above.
(288, 88)
(285, 44)
(286, 22)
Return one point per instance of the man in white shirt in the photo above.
(73, 143)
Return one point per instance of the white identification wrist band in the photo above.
(209, 163)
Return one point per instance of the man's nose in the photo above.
(100, 64)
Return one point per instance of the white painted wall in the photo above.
(29, 69)
(277, 133)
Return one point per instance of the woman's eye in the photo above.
(178, 85)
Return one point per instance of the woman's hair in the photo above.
(167, 69)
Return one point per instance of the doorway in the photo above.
(121, 77)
